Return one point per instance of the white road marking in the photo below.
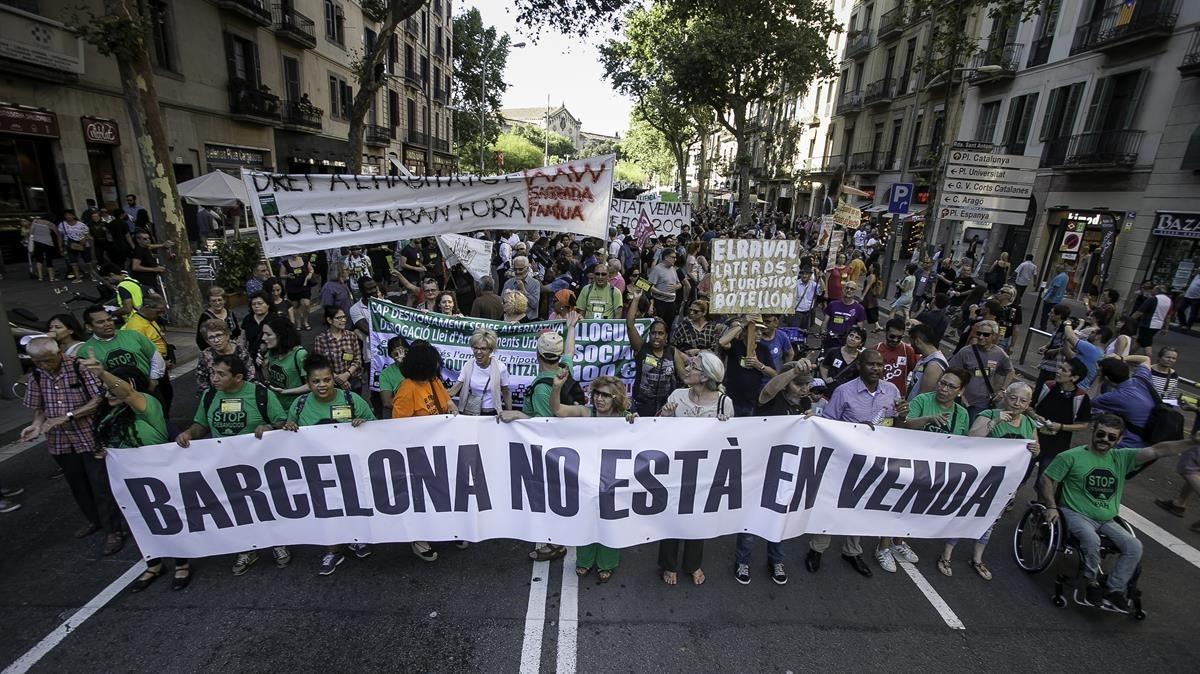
(568, 616)
(535, 619)
(1162, 536)
(39, 651)
(934, 598)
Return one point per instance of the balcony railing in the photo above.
(374, 134)
(1127, 23)
(891, 22)
(864, 162)
(1040, 51)
(417, 138)
(1008, 57)
(440, 94)
(1191, 59)
(814, 121)
(440, 145)
(412, 78)
(924, 157)
(1096, 150)
(848, 102)
(255, 10)
(827, 164)
(439, 50)
(859, 42)
(411, 26)
(253, 102)
(307, 115)
(294, 26)
(879, 91)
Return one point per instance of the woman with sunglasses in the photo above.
(696, 333)
(608, 400)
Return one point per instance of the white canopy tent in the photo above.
(214, 189)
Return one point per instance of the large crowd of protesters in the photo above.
(931, 353)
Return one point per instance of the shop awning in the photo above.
(214, 189)
(877, 208)
(913, 210)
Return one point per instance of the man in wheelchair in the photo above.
(1084, 486)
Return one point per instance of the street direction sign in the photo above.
(980, 215)
(900, 199)
(978, 201)
(986, 159)
(984, 173)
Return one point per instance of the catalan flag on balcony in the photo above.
(1125, 15)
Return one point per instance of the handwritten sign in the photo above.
(825, 233)
(836, 239)
(666, 217)
(475, 255)
(847, 216)
(754, 276)
(301, 213)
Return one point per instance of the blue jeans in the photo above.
(1088, 531)
(745, 547)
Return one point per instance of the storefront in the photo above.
(1176, 249)
(232, 159)
(30, 181)
(102, 137)
(1083, 241)
(414, 159)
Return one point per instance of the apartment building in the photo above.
(1103, 93)
(241, 83)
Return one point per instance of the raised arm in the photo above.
(557, 407)
(1169, 448)
(631, 314)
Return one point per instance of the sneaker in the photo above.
(778, 575)
(425, 551)
(330, 562)
(1166, 504)
(742, 574)
(886, 560)
(244, 561)
(462, 545)
(7, 506)
(282, 556)
(904, 553)
(1094, 595)
(9, 493)
(360, 550)
(1116, 600)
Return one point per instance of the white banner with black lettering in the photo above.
(569, 481)
(301, 213)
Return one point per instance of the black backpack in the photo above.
(1165, 422)
(303, 400)
(260, 401)
(570, 394)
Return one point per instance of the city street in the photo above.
(488, 608)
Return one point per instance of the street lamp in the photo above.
(483, 97)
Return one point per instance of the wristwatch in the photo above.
(70, 416)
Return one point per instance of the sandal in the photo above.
(582, 571)
(148, 576)
(548, 553)
(981, 568)
(670, 578)
(604, 576)
(944, 566)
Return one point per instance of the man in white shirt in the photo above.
(1191, 302)
(806, 295)
(1024, 275)
(860, 237)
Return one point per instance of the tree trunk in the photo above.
(368, 83)
(141, 102)
(681, 169)
(743, 165)
(702, 170)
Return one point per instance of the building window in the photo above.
(340, 97)
(412, 120)
(291, 79)
(1116, 100)
(241, 56)
(985, 129)
(1191, 156)
(159, 15)
(1059, 119)
(393, 112)
(335, 23)
(1020, 119)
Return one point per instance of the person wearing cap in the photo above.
(524, 282)
(562, 304)
(554, 354)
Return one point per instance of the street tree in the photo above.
(519, 152)
(645, 146)
(554, 144)
(601, 146)
(122, 33)
(480, 56)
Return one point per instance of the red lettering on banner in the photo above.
(561, 202)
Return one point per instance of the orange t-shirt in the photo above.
(420, 399)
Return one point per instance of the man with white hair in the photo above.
(64, 396)
(523, 281)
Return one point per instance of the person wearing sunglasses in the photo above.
(1083, 486)
(990, 367)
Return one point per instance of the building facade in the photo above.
(241, 83)
(558, 120)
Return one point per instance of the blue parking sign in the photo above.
(900, 198)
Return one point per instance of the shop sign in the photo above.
(100, 131)
(25, 121)
(1179, 225)
(235, 156)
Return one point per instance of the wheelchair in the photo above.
(1039, 546)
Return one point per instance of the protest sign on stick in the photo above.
(754, 276)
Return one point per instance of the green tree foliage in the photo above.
(597, 147)
(631, 173)
(480, 56)
(646, 147)
(559, 145)
(519, 152)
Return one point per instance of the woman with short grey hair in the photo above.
(483, 381)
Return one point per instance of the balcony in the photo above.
(1008, 57)
(417, 138)
(440, 144)
(924, 158)
(825, 165)
(410, 25)
(439, 51)
(1127, 24)
(864, 162)
(814, 121)
(251, 103)
(859, 43)
(943, 72)
(303, 116)
(891, 23)
(413, 79)
(294, 26)
(441, 95)
(879, 92)
(255, 10)
(1116, 149)
(1191, 59)
(849, 102)
(1040, 53)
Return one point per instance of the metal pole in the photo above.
(482, 103)
(546, 135)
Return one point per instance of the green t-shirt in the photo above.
(286, 371)
(926, 405)
(537, 399)
(149, 426)
(125, 348)
(598, 303)
(230, 414)
(335, 411)
(1023, 429)
(1092, 483)
(390, 378)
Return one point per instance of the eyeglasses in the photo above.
(894, 338)
(948, 384)
(339, 318)
(983, 334)
(602, 394)
(599, 273)
(1103, 435)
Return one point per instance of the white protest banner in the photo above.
(836, 239)
(301, 213)
(847, 216)
(475, 255)
(825, 233)
(754, 276)
(601, 346)
(666, 217)
(568, 481)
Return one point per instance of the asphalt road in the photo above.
(471, 610)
